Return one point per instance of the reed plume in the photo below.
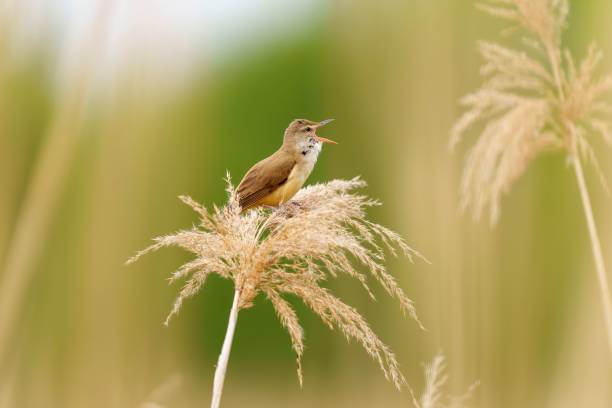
(293, 250)
(535, 99)
(433, 395)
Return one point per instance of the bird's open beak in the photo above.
(322, 139)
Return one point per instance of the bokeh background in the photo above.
(110, 109)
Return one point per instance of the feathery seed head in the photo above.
(530, 103)
(291, 250)
(435, 380)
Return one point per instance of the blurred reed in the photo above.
(433, 395)
(47, 182)
(533, 103)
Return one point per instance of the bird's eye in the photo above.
(308, 129)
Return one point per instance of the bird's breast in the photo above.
(298, 176)
(294, 183)
(302, 170)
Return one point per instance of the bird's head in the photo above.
(303, 132)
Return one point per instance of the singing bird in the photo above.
(275, 180)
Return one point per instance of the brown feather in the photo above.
(264, 178)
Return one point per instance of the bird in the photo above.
(277, 178)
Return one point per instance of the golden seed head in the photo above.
(292, 250)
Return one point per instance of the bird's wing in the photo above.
(263, 178)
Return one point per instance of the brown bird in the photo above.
(275, 180)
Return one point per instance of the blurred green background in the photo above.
(109, 110)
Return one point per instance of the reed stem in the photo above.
(604, 287)
(225, 353)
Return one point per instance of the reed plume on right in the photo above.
(535, 99)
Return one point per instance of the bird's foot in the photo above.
(296, 204)
(291, 208)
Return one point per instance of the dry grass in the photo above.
(293, 250)
(533, 100)
(435, 380)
